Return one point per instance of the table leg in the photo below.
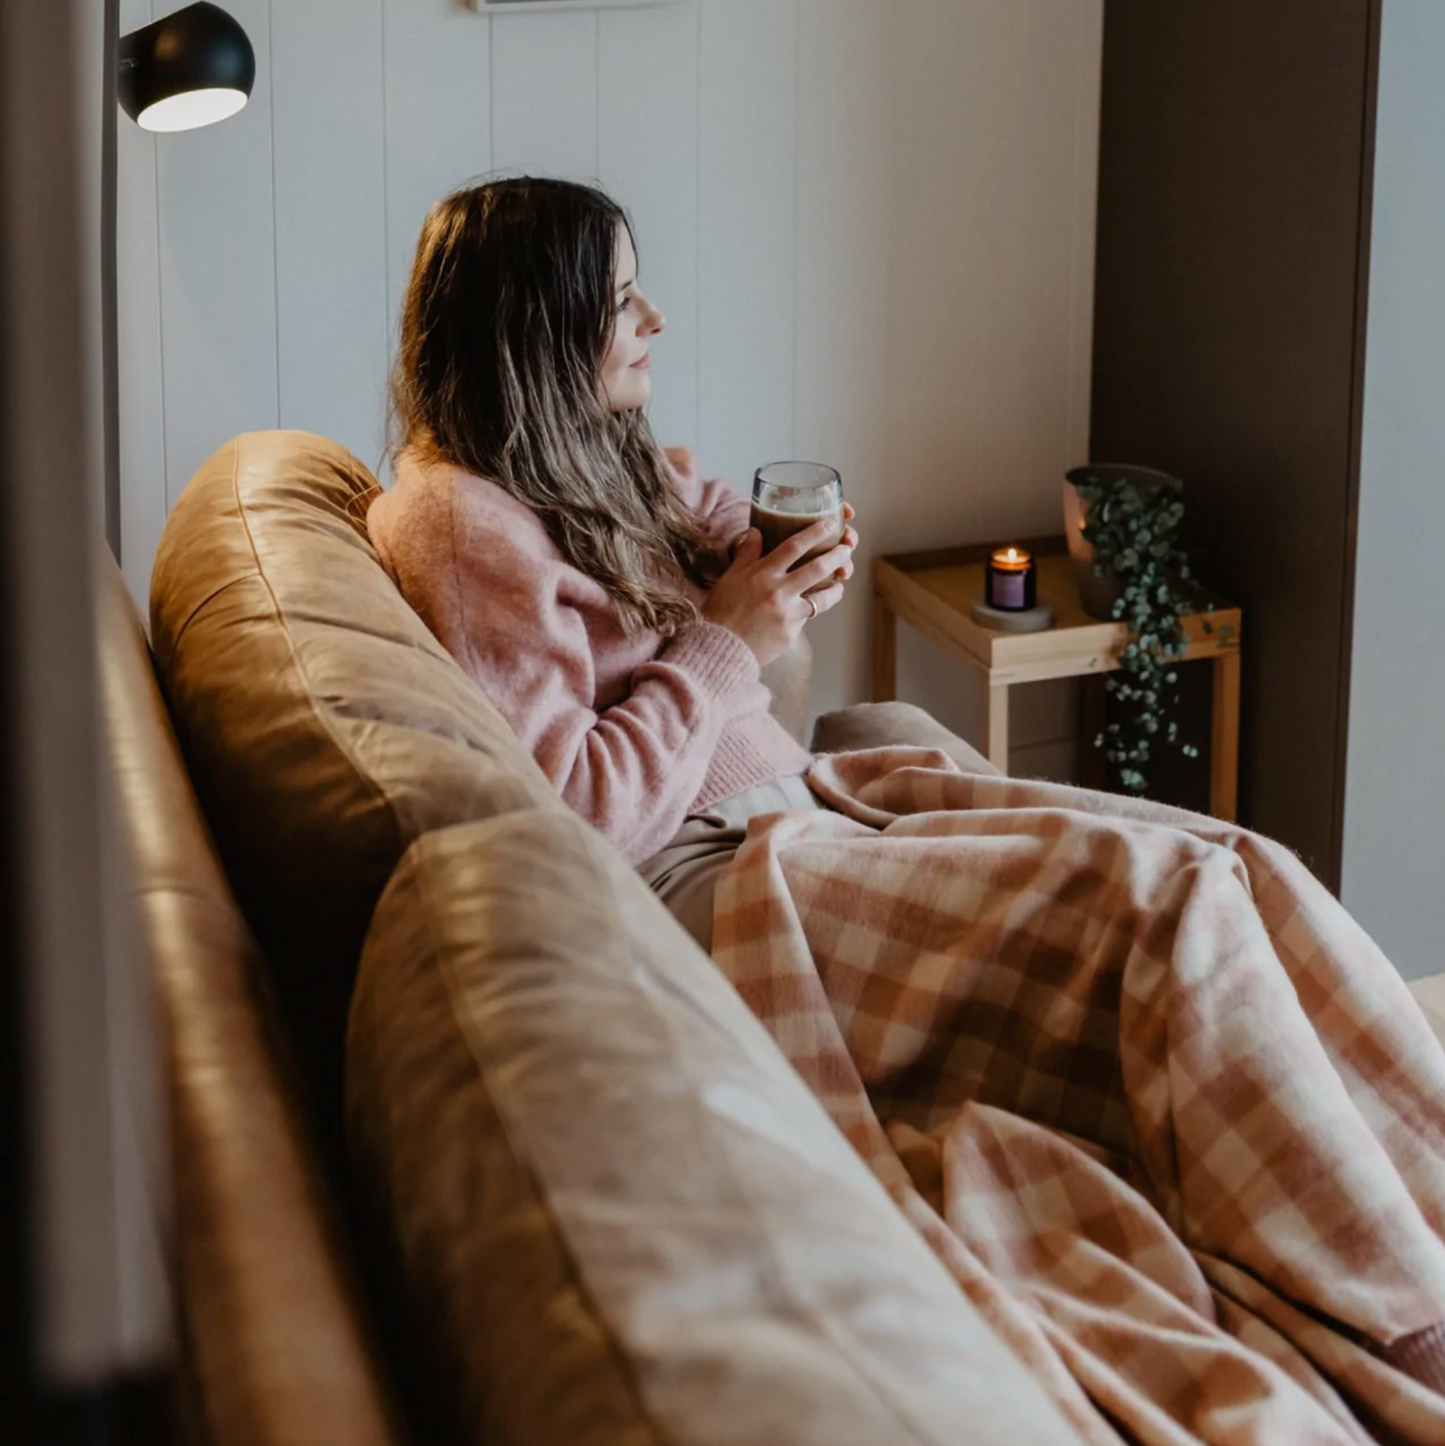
(1094, 716)
(1224, 754)
(885, 651)
(995, 734)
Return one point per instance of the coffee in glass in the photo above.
(789, 497)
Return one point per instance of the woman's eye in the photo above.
(625, 304)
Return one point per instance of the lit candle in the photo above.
(1012, 580)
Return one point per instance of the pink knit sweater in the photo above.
(635, 733)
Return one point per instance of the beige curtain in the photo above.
(88, 1052)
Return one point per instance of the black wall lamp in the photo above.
(185, 70)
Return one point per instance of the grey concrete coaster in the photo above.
(1035, 620)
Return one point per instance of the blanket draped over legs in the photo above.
(1170, 1118)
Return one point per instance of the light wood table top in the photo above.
(934, 592)
(937, 598)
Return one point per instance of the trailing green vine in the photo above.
(1134, 527)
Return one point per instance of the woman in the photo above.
(1164, 1112)
(614, 607)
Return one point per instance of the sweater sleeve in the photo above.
(723, 510)
(633, 769)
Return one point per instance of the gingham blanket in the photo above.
(1170, 1118)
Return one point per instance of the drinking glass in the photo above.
(791, 496)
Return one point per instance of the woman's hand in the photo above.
(762, 601)
(850, 538)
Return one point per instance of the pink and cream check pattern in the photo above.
(1168, 1115)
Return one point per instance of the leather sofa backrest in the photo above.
(274, 1345)
(323, 726)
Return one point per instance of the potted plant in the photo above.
(1123, 526)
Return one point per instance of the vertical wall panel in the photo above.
(647, 158)
(1394, 817)
(992, 191)
(1027, 308)
(942, 79)
(544, 94)
(330, 220)
(218, 275)
(985, 264)
(438, 118)
(935, 466)
(841, 300)
(143, 499)
(748, 85)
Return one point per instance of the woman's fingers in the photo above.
(825, 598)
(800, 544)
(748, 547)
(822, 569)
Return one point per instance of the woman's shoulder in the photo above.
(433, 506)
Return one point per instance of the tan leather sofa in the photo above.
(593, 1202)
(274, 1343)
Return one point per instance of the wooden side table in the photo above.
(934, 592)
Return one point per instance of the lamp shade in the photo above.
(185, 70)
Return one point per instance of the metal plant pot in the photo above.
(1097, 594)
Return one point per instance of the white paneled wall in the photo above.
(647, 150)
(1394, 836)
(145, 490)
(328, 179)
(870, 223)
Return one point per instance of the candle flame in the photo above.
(1013, 554)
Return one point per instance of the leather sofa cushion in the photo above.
(620, 1216)
(323, 725)
(275, 1348)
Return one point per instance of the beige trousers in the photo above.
(684, 872)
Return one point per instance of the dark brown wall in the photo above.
(1233, 221)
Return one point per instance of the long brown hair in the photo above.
(508, 316)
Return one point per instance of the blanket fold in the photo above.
(1161, 1106)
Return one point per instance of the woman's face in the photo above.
(626, 379)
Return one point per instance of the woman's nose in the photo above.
(655, 321)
